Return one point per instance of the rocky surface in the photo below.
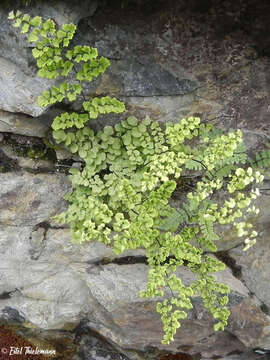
(22, 124)
(53, 284)
(29, 163)
(27, 200)
(169, 59)
(208, 46)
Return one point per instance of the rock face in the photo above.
(28, 200)
(51, 283)
(168, 60)
(24, 124)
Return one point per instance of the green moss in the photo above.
(36, 153)
(30, 147)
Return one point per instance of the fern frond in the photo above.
(103, 105)
(209, 236)
(193, 165)
(262, 160)
(173, 221)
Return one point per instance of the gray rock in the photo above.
(24, 124)
(95, 349)
(65, 283)
(36, 164)
(15, 242)
(38, 242)
(28, 199)
(248, 315)
(11, 315)
(26, 162)
(161, 108)
(140, 323)
(251, 355)
(60, 249)
(136, 78)
(55, 311)
(63, 154)
(147, 89)
(20, 90)
(65, 12)
(51, 282)
(254, 265)
(43, 291)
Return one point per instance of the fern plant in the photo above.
(262, 159)
(55, 60)
(122, 196)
